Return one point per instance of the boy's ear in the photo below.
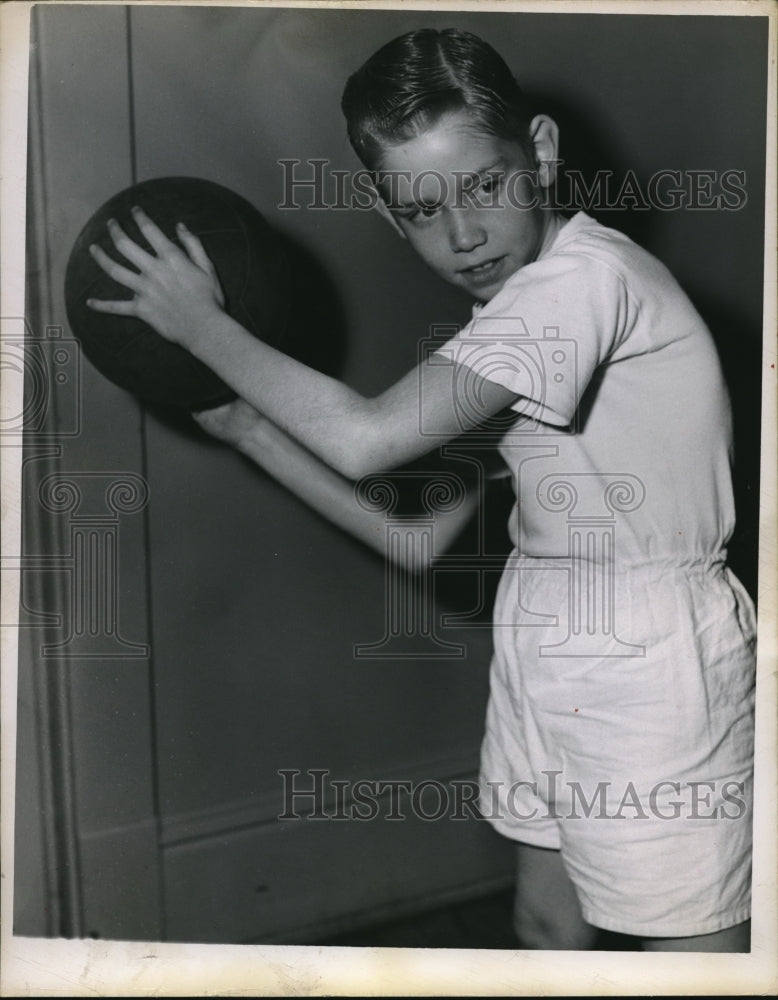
(544, 134)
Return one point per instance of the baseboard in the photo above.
(241, 814)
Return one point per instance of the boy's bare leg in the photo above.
(547, 914)
(736, 938)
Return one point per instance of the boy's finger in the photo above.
(161, 244)
(135, 255)
(121, 274)
(126, 307)
(195, 249)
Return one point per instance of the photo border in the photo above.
(44, 967)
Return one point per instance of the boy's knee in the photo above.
(549, 928)
(547, 914)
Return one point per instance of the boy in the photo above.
(619, 731)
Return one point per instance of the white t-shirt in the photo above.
(625, 414)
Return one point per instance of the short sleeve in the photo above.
(545, 333)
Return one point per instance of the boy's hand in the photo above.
(176, 293)
(235, 423)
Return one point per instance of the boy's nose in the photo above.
(465, 232)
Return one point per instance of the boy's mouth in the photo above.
(486, 270)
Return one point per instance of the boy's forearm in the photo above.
(333, 496)
(332, 420)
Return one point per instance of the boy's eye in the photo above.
(491, 183)
(417, 213)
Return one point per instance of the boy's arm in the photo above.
(176, 293)
(321, 487)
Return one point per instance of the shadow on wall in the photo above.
(740, 351)
(317, 332)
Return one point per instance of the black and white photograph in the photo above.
(388, 449)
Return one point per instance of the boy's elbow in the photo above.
(355, 463)
(362, 452)
(418, 563)
(412, 559)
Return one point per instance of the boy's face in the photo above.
(469, 203)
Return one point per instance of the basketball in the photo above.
(251, 264)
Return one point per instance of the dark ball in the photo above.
(249, 259)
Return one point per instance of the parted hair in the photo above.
(409, 83)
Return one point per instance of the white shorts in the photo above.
(634, 760)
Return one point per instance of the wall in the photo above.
(86, 826)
